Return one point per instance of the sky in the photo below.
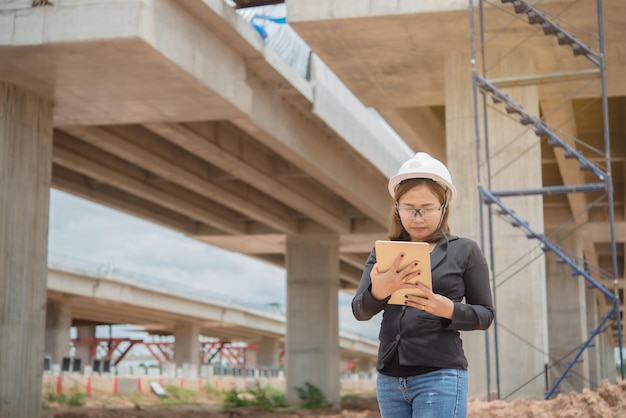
(90, 236)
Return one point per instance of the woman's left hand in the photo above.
(430, 302)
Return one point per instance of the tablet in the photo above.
(388, 251)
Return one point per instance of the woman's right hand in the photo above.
(387, 282)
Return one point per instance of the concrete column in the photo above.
(520, 264)
(268, 354)
(460, 140)
(187, 348)
(366, 365)
(58, 324)
(84, 345)
(596, 352)
(312, 340)
(607, 355)
(25, 170)
(521, 317)
(567, 318)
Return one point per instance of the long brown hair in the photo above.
(397, 231)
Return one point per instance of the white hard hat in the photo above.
(423, 165)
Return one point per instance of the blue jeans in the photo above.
(438, 394)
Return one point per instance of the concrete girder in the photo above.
(145, 156)
(206, 211)
(76, 184)
(321, 155)
(250, 170)
(600, 232)
(290, 135)
(420, 127)
(562, 117)
(115, 89)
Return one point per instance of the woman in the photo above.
(421, 364)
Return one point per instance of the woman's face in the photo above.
(420, 211)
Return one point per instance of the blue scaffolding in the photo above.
(492, 200)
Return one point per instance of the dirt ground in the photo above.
(609, 401)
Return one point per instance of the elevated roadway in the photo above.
(176, 112)
(106, 299)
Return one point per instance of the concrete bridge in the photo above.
(178, 113)
(87, 300)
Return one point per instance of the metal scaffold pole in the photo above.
(609, 183)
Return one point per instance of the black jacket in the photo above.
(420, 339)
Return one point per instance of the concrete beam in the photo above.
(76, 184)
(420, 127)
(600, 232)
(146, 155)
(339, 108)
(561, 116)
(120, 175)
(254, 168)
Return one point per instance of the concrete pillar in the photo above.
(519, 265)
(607, 355)
(268, 354)
(187, 348)
(465, 210)
(58, 324)
(312, 340)
(366, 365)
(84, 345)
(567, 318)
(25, 170)
(596, 352)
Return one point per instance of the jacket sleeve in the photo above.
(477, 312)
(364, 306)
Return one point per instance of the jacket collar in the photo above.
(441, 249)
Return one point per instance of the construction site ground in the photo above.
(609, 401)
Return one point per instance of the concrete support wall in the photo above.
(567, 318)
(312, 341)
(25, 167)
(186, 348)
(58, 323)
